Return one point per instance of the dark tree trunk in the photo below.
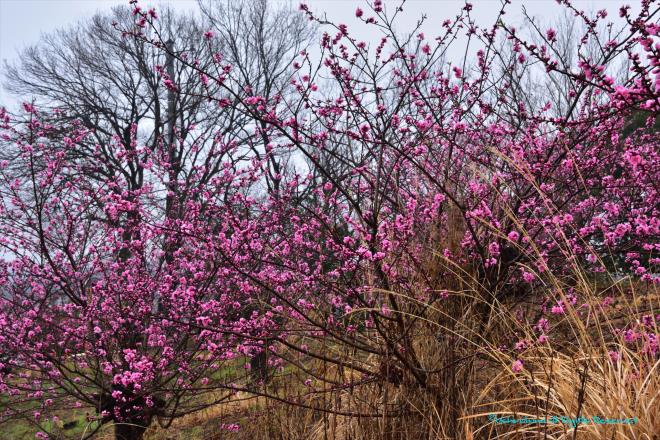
(259, 367)
(129, 430)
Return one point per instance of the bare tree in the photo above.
(108, 81)
(260, 42)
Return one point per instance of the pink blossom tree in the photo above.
(414, 168)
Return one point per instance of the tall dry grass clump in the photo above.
(488, 364)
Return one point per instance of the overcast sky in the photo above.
(22, 22)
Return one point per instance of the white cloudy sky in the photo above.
(23, 22)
